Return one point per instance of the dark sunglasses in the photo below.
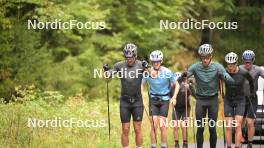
(205, 57)
(156, 62)
(232, 64)
(249, 62)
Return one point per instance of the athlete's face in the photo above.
(130, 61)
(232, 67)
(248, 64)
(156, 65)
(206, 60)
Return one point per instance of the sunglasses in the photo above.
(232, 64)
(249, 62)
(129, 58)
(205, 57)
(156, 62)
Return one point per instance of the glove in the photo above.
(106, 67)
(220, 74)
(145, 64)
(184, 74)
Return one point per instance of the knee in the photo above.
(154, 124)
(229, 128)
(250, 123)
(200, 129)
(238, 126)
(137, 129)
(125, 131)
(212, 129)
(163, 128)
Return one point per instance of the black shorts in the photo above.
(128, 101)
(180, 113)
(234, 107)
(127, 112)
(250, 111)
(158, 108)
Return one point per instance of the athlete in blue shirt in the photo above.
(159, 80)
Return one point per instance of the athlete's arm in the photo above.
(190, 71)
(226, 76)
(261, 72)
(187, 73)
(144, 81)
(251, 82)
(176, 88)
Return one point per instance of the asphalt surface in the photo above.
(220, 144)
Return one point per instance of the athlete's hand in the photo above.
(220, 74)
(184, 74)
(106, 67)
(173, 101)
(145, 64)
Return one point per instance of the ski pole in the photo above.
(153, 125)
(186, 111)
(175, 114)
(108, 111)
(223, 116)
(193, 94)
(194, 134)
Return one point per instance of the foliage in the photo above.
(49, 73)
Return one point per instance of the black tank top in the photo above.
(236, 89)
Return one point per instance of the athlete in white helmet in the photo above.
(235, 100)
(131, 103)
(160, 80)
(207, 75)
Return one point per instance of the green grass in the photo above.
(15, 133)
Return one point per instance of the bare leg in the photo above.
(229, 130)
(125, 134)
(137, 128)
(239, 120)
(154, 132)
(163, 129)
(251, 128)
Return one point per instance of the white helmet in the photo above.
(231, 58)
(205, 49)
(130, 50)
(178, 74)
(156, 55)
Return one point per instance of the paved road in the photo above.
(220, 144)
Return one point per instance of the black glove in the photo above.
(145, 64)
(220, 74)
(184, 74)
(106, 67)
